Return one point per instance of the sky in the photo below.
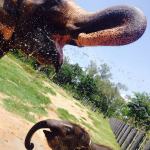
(129, 64)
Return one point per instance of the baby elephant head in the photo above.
(63, 135)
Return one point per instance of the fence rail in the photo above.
(128, 137)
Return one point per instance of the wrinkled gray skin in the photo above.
(63, 135)
(41, 28)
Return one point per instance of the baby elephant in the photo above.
(63, 135)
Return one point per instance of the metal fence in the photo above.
(128, 137)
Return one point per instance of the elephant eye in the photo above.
(68, 130)
(82, 137)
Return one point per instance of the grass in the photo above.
(25, 89)
(65, 115)
(19, 108)
(100, 131)
(27, 98)
(78, 104)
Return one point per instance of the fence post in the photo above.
(138, 139)
(122, 132)
(129, 139)
(147, 146)
(124, 136)
(120, 129)
(116, 125)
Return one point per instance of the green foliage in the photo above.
(99, 130)
(139, 110)
(86, 88)
(26, 59)
(93, 87)
(92, 69)
(104, 71)
(26, 93)
(136, 111)
(69, 74)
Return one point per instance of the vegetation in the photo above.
(96, 125)
(137, 111)
(26, 93)
(27, 97)
(65, 115)
(93, 86)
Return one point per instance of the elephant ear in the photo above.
(7, 25)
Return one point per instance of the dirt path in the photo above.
(13, 130)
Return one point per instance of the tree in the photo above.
(92, 69)
(104, 71)
(87, 87)
(109, 96)
(69, 73)
(121, 86)
(139, 110)
(116, 108)
(65, 75)
(92, 86)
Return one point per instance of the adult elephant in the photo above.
(41, 28)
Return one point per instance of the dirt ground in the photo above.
(13, 130)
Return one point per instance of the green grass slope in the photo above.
(27, 96)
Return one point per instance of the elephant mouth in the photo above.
(49, 49)
(49, 135)
(50, 53)
(57, 43)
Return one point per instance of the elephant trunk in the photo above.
(37, 126)
(118, 25)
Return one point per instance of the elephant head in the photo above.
(62, 135)
(41, 28)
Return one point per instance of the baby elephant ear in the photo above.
(7, 25)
